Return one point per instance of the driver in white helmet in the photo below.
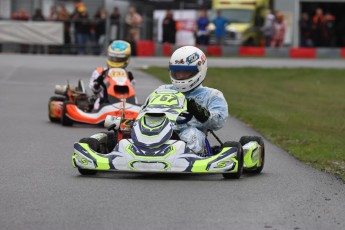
(188, 67)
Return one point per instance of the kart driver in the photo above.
(118, 56)
(188, 67)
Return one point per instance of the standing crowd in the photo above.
(320, 30)
(273, 29)
(84, 34)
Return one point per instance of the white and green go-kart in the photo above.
(150, 144)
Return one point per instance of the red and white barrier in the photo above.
(147, 48)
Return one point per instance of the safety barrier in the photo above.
(342, 53)
(302, 53)
(146, 48)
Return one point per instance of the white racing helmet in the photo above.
(188, 58)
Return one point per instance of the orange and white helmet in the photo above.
(188, 58)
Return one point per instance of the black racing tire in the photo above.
(65, 120)
(94, 145)
(244, 140)
(51, 99)
(238, 174)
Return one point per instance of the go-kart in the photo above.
(74, 105)
(150, 144)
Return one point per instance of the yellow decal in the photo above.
(117, 73)
(221, 164)
(164, 99)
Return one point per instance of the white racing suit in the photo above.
(193, 132)
(99, 92)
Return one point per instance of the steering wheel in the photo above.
(184, 118)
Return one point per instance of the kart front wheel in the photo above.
(51, 100)
(246, 139)
(94, 145)
(238, 174)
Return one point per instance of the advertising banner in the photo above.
(36, 33)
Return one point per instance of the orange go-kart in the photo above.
(74, 105)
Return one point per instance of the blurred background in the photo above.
(88, 26)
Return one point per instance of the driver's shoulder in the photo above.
(210, 91)
(100, 69)
(167, 86)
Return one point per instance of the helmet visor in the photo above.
(117, 58)
(183, 72)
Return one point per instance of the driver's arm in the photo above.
(218, 108)
(94, 76)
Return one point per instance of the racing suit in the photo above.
(99, 91)
(193, 132)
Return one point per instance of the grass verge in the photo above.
(301, 110)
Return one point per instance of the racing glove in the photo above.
(130, 76)
(99, 81)
(96, 85)
(199, 112)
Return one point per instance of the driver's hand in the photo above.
(199, 112)
(96, 85)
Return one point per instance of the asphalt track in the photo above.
(40, 190)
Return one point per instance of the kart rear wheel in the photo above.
(52, 99)
(238, 174)
(65, 120)
(246, 139)
(94, 145)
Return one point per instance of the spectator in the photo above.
(305, 31)
(21, 15)
(202, 35)
(82, 28)
(63, 16)
(133, 22)
(100, 27)
(220, 23)
(169, 28)
(278, 31)
(330, 29)
(53, 14)
(115, 17)
(319, 28)
(267, 28)
(74, 22)
(38, 16)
